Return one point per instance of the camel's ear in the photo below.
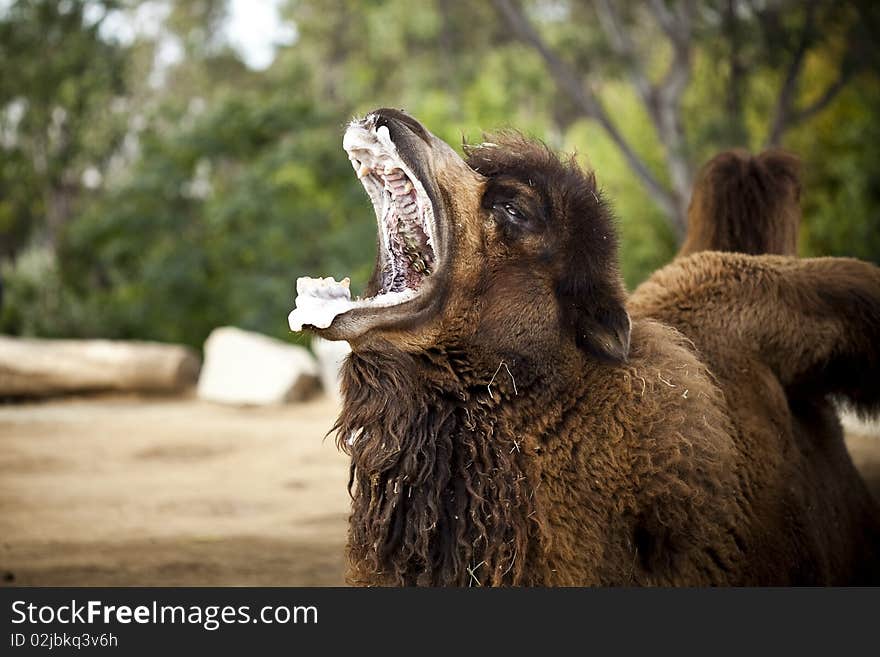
(600, 322)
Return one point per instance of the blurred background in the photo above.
(171, 166)
(168, 167)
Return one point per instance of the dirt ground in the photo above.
(129, 491)
(126, 491)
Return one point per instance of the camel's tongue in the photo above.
(319, 301)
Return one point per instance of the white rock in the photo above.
(242, 367)
(330, 354)
(853, 424)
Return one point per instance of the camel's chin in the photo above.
(409, 250)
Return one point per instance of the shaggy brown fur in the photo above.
(526, 432)
(745, 203)
(781, 335)
(734, 210)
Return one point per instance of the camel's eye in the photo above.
(516, 212)
(510, 212)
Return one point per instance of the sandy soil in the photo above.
(132, 491)
(864, 447)
(128, 491)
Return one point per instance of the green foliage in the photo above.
(217, 220)
(58, 81)
(841, 197)
(36, 301)
(222, 185)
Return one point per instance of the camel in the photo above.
(751, 204)
(511, 422)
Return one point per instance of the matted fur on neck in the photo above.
(438, 497)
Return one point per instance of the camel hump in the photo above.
(814, 322)
(745, 203)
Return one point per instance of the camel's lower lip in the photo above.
(408, 245)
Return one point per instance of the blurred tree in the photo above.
(842, 177)
(58, 81)
(654, 46)
(666, 84)
(214, 219)
(221, 184)
(207, 62)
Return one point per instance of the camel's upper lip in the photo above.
(392, 166)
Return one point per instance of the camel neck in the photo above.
(441, 490)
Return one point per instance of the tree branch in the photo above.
(589, 105)
(663, 101)
(609, 19)
(787, 91)
(677, 25)
(824, 99)
(564, 76)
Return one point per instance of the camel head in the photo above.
(512, 249)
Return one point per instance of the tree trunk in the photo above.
(32, 367)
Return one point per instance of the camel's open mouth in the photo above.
(408, 241)
(403, 210)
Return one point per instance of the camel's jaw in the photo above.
(392, 156)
